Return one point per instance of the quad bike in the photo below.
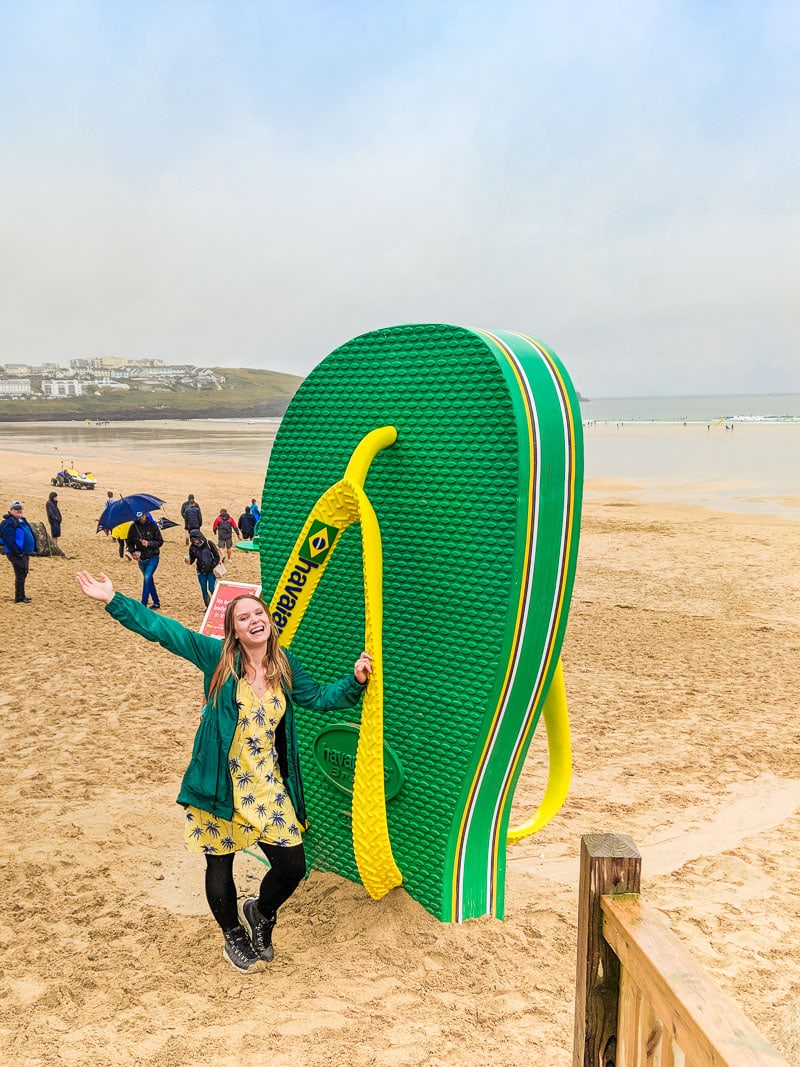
(73, 479)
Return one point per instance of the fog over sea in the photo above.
(739, 453)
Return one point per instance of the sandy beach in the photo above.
(681, 664)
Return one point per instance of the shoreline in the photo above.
(754, 469)
(600, 492)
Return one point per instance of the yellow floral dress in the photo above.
(262, 809)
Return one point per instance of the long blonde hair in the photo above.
(276, 665)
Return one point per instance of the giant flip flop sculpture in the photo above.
(424, 494)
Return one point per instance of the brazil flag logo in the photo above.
(319, 542)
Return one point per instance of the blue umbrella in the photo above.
(125, 509)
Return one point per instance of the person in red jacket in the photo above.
(225, 527)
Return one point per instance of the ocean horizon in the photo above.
(722, 407)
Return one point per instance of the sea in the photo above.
(728, 452)
(769, 407)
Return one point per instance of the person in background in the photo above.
(254, 511)
(192, 516)
(225, 527)
(144, 543)
(120, 540)
(247, 524)
(18, 542)
(206, 556)
(53, 516)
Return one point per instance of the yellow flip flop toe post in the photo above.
(423, 501)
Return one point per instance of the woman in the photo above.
(204, 553)
(53, 516)
(243, 785)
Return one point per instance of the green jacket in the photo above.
(207, 783)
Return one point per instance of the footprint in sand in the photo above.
(748, 808)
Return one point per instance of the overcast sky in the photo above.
(239, 183)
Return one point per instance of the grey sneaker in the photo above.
(260, 928)
(238, 951)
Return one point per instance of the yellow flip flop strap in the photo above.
(339, 507)
(556, 719)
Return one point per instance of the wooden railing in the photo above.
(641, 1000)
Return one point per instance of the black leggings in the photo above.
(286, 872)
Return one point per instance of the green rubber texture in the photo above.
(452, 497)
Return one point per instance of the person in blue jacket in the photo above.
(243, 785)
(18, 543)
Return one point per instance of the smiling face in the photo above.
(251, 622)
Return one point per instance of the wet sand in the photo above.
(752, 468)
(681, 663)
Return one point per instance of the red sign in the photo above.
(213, 624)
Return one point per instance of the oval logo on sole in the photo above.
(335, 752)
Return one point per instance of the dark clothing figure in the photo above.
(120, 540)
(196, 520)
(203, 553)
(53, 516)
(192, 518)
(18, 542)
(144, 543)
(247, 524)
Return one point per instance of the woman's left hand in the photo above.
(100, 588)
(363, 667)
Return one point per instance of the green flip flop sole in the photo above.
(465, 530)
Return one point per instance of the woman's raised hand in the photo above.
(99, 588)
(363, 667)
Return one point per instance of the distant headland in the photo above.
(108, 389)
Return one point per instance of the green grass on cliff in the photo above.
(246, 394)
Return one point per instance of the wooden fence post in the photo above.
(610, 863)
